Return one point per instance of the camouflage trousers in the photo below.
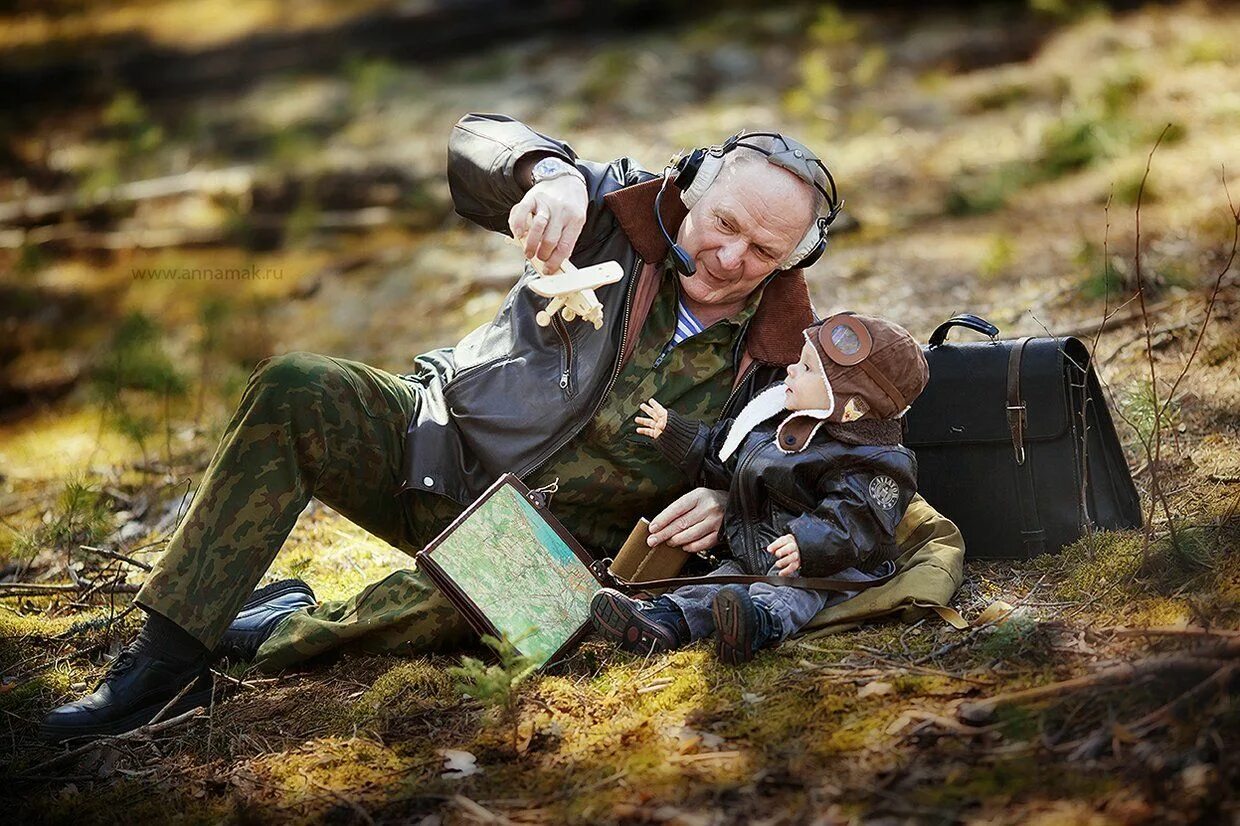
(308, 426)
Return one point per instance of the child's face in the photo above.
(807, 388)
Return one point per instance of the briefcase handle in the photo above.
(973, 322)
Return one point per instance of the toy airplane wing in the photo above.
(573, 281)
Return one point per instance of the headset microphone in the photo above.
(680, 258)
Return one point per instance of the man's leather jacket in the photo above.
(841, 501)
(511, 393)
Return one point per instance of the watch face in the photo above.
(547, 168)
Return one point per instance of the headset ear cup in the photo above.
(707, 170)
(812, 258)
(687, 167)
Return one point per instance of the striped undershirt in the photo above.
(686, 324)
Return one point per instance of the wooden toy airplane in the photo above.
(572, 291)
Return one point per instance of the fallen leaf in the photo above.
(875, 688)
(458, 763)
(525, 734)
(1196, 777)
(997, 612)
(690, 739)
(901, 722)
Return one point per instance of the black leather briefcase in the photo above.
(1015, 444)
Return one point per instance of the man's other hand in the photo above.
(692, 522)
(550, 218)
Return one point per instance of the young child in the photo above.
(817, 482)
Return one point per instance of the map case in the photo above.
(512, 569)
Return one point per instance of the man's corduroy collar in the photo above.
(774, 335)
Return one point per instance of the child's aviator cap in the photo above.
(873, 368)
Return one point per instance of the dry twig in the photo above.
(104, 552)
(979, 711)
(145, 733)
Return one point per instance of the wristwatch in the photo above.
(551, 167)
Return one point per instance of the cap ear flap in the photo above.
(706, 175)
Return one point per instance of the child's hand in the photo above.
(787, 554)
(655, 420)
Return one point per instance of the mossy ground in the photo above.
(975, 188)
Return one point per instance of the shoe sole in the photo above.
(733, 636)
(614, 617)
(277, 589)
(198, 698)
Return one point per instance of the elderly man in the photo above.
(702, 328)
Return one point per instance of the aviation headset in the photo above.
(694, 172)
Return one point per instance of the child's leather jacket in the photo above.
(841, 501)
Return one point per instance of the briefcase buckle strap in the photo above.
(1016, 412)
(1017, 421)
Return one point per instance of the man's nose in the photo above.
(730, 255)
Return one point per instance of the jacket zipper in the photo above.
(615, 374)
(566, 369)
(749, 515)
(736, 390)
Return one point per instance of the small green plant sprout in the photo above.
(81, 516)
(494, 685)
(1140, 405)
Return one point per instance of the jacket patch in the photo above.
(884, 492)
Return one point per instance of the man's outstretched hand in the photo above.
(692, 522)
(550, 218)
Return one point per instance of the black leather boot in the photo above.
(742, 626)
(263, 611)
(133, 691)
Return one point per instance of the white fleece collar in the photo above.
(760, 408)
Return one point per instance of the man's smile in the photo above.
(710, 275)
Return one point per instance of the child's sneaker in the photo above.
(742, 626)
(639, 626)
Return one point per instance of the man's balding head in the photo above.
(768, 145)
(744, 227)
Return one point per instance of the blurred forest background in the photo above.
(190, 186)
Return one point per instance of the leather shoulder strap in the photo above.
(1032, 533)
(804, 583)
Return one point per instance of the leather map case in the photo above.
(511, 568)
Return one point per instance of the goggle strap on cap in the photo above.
(876, 375)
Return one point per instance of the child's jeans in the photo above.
(792, 607)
